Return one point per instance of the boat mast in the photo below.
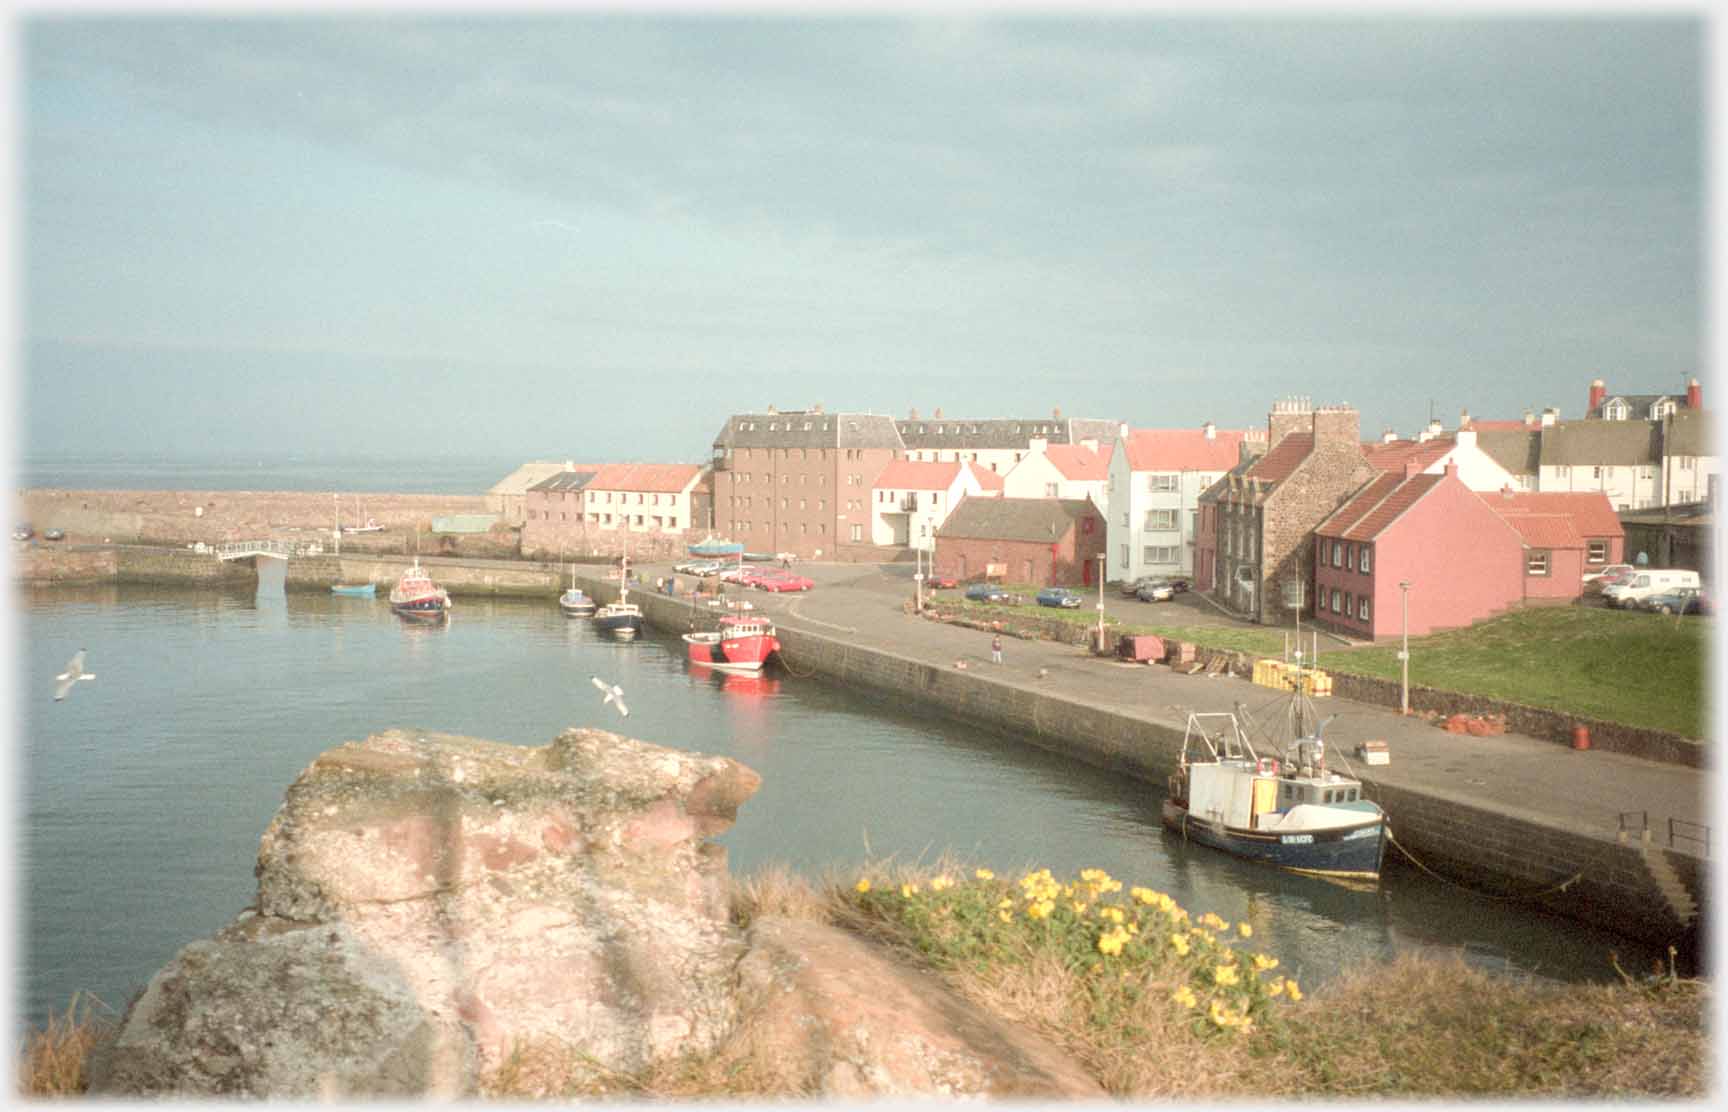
(337, 499)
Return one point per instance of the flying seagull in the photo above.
(613, 693)
(73, 673)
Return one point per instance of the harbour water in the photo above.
(142, 796)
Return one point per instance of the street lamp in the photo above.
(1404, 653)
(1101, 558)
(918, 580)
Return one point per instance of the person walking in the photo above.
(996, 649)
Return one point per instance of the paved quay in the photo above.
(1584, 790)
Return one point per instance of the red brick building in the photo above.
(800, 481)
(1041, 541)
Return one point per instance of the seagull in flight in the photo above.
(73, 673)
(614, 694)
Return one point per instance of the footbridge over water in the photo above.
(269, 546)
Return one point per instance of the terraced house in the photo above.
(996, 444)
(801, 481)
(911, 500)
(645, 509)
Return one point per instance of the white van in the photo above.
(1647, 583)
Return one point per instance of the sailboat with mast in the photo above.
(622, 619)
(359, 515)
(574, 602)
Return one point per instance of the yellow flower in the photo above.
(1184, 996)
(1263, 963)
(1244, 930)
(1180, 942)
(984, 874)
(1040, 909)
(940, 884)
(1114, 914)
(864, 884)
(1275, 988)
(1004, 916)
(1219, 1015)
(1213, 921)
(908, 890)
(1110, 944)
(1079, 908)
(1295, 992)
(1004, 904)
(1224, 974)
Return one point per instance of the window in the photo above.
(1334, 600)
(1598, 553)
(1159, 554)
(1050, 490)
(1536, 563)
(1349, 604)
(1161, 519)
(1337, 556)
(1124, 557)
(1686, 463)
(1596, 472)
(857, 533)
(1615, 411)
(1362, 608)
(1362, 557)
(1160, 484)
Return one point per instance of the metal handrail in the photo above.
(1679, 830)
(270, 546)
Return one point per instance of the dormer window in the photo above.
(1615, 411)
(1662, 409)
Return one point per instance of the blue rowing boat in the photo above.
(713, 549)
(354, 590)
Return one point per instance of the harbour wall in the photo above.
(1593, 877)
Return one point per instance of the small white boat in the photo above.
(574, 602)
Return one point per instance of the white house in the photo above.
(642, 497)
(1152, 498)
(1069, 471)
(911, 499)
(1476, 468)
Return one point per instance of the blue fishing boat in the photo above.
(622, 619)
(1293, 813)
(354, 590)
(574, 603)
(712, 548)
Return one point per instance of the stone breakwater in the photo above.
(180, 517)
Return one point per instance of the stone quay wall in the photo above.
(1590, 876)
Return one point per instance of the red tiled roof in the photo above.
(909, 474)
(1591, 512)
(1359, 504)
(660, 478)
(1183, 449)
(1546, 530)
(1388, 509)
(1078, 462)
(1393, 456)
(1277, 464)
(987, 479)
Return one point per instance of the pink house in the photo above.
(1565, 536)
(1463, 561)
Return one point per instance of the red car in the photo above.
(772, 580)
(941, 582)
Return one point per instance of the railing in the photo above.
(240, 550)
(1696, 835)
(909, 503)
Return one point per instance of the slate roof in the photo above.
(1601, 443)
(1183, 449)
(1001, 433)
(1222, 484)
(659, 478)
(808, 429)
(1638, 403)
(1015, 519)
(1517, 450)
(1689, 434)
(1590, 511)
(566, 481)
(519, 480)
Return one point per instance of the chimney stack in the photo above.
(1056, 413)
(1337, 425)
(1412, 466)
(1549, 416)
(1387, 436)
(1122, 430)
(1529, 418)
(1211, 430)
(817, 408)
(912, 414)
(1463, 418)
(1598, 395)
(1292, 414)
(1694, 395)
(1465, 438)
(938, 413)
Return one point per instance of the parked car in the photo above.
(1157, 590)
(1179, 584)
(1059, 596)
(23, 532)
(987, 592)
(776, 580)
(693, 567)
(1643, 584)
(1681, 600)
(1131, 587)
(941, 582)
(1176, 583)
(54, 534)
(1613, 573)
(735, 573)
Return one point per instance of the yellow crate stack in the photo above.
(1287, 677)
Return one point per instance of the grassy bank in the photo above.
(1622, 666)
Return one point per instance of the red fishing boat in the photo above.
(415, 596)
(743, 643)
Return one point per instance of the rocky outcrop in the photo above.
(436, 912)
(429, 905)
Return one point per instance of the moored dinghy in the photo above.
(1295, 813)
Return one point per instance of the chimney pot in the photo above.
(1694, 395)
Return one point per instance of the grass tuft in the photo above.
(55, 1058)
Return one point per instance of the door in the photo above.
(1086, 572)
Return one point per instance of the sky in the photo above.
(594, 235)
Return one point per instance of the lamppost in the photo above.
(1404, 653)
(918, 580)
(1101, 558)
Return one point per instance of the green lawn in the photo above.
(1622, 666)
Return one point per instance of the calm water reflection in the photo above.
(145, 792)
